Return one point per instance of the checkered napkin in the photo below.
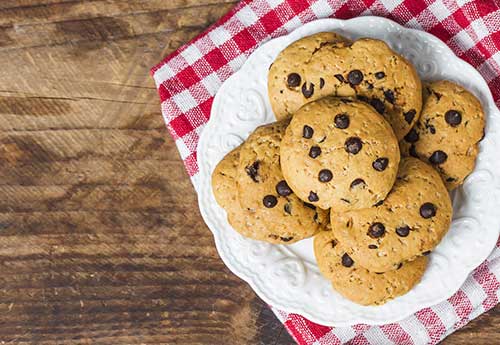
(188, 80)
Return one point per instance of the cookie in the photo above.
(275, 218)
(367, 69)
(293, 67)
(340, 154)
(357, 283)
(411, 221)
(448, 131)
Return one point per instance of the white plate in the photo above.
(287, 277)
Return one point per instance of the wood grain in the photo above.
(101, 240)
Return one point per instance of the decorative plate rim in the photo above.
(483, 173)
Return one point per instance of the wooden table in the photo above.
(95, 244)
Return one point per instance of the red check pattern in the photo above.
(188, 80)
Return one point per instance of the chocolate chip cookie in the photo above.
(411, 221)
(251, 174)
(294, 71)
(368, 69)
(339, 153)
(357, 283)
(448, 131)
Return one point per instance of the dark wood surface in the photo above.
(101, 241)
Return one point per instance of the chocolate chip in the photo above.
(325, 175)
(353, 145)
(438, 157)
(341, 78)
(376, 230)
(286, 239)
(358, 181)
(413, 151)
(389, 96)
(321, 83)
(334, 243)
(412, 136)
(313, 197)
(288, 208)
(378, 105)
(372, 246)
(380, 164)
(379, 75)
(314, 152)
(270, 201)
(293, 80)
(347, 261)
(342, 121)
(308, 92)
(450, 179)
(426, 253)
(453, 118)
(308, 205)
(355, 77)
(403, 231)
(427, 210)
(410, 115)
(253, 171)
(307, 132)
(363, 98)
(283, 189)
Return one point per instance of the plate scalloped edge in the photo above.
(286, 278)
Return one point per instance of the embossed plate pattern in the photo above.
(287, 277)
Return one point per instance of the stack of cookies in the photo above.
(362, 157)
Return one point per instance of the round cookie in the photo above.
(357, 283)
(289, 221)
(293, 66)
(339, 154)
(448, 131)
(367, 69)
(411, 221)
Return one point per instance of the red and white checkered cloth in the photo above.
(188, 80)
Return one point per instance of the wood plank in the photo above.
(14, 12)
(99, 27)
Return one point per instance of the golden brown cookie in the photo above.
(293, 66)
(411, 221)
(339, 153)
(288, 221)
(368, 69)
(357, 283)
(448, 131)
